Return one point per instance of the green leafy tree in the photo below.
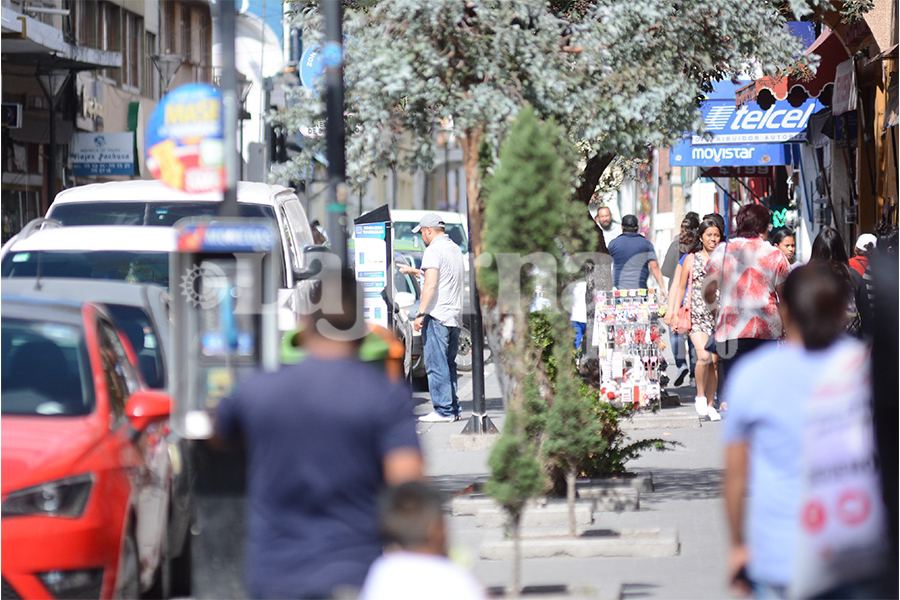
(570, 432)
(516, 477)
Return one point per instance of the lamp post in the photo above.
(52, 82)
(167, 66)
(244, 84)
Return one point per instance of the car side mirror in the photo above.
(145, 407)
(313, 259)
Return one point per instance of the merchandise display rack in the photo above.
(630, 340)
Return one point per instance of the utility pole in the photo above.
(230, 115)
(333, 59)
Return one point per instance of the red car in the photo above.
(86, 474)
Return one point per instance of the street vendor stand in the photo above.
(628, 334)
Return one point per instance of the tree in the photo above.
(516, 477)
(571, 430)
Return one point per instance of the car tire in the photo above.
(464, 353)
(128, 577)
(181, 569)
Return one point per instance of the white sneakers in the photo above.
(700, 405)
(436, 417)
(713, 414)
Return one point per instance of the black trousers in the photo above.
(730, 352)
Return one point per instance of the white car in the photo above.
(122, 253)
(151, 203)
(407, 242)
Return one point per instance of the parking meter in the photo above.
(223, 282)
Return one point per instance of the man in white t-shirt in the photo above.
(415, 563)
(440, 316)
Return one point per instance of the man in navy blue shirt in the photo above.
(323, 438)
(634, 258)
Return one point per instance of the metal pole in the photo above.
(51, 154)
(333, 58)
(230, 115)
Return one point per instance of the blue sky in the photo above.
(271, 12)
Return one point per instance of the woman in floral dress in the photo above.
(703, 320)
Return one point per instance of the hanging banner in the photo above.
(687, 154)
(185, 139)
(844, 95)
(97, 154)
(727, 124)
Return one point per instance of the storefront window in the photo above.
(18, 207)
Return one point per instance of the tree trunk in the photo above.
(591, 175)
(570, 499)
(515, 529)
(471, 142)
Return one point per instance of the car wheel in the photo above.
(128, 582)
(181, 569)
(464, 354)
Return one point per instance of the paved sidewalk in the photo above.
(687, 497)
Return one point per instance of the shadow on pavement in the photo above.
(637, 590)
(453, 485)
(684, 484)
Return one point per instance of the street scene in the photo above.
(449, 299)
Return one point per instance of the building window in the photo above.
(173, 12)
(87, 23)
(186, 35)
(112, 37)
(148, 89)
(133, 53)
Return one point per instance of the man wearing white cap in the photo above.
(864, 243)
(440, 316)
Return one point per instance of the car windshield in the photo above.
(45, 369)
(138, 328)
(407, 241)
(163, 214)
(118, 265)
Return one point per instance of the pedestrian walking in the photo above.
(578, 314)
(746, 274)
(634, 258)
(415, 563)
(323, 437)
(604, 220)
(865, 244)
(702, 319)
(828, 248)
(683, 350)
(799, 439)
(440, 316)
(783, 239)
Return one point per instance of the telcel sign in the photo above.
(727, 124)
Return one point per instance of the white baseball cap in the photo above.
(863, 241)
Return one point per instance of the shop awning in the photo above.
(796, 89)
(30, 42)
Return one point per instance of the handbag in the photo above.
(683, 316)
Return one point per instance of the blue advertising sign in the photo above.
(225, 237)
(103, 154)
(688, 154)
(184, 142)
(312, 66)
(728, 124)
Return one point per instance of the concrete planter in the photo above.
(552, 514)
(631, 543)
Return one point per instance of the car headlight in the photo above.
(61, 498)
(83, 583)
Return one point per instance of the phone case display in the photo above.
(630, 342)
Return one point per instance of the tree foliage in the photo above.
(616, 76)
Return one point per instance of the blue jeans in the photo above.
(677, 340)
(579, 328)
(440, 345)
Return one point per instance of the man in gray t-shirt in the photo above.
(440, 316)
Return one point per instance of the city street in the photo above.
(687, 495)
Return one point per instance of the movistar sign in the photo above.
(727, 124)
(687, 154)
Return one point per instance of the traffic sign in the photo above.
(312, 66)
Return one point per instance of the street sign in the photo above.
(312, 66)
(96, 154)
(12, 115)
(184, 144)
(686, 154)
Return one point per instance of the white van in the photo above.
(151, 203)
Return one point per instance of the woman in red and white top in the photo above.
(748, 273)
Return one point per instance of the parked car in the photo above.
(409, 243)
(86, 474)
(141, 313)
(122, 253)
(143, 203)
